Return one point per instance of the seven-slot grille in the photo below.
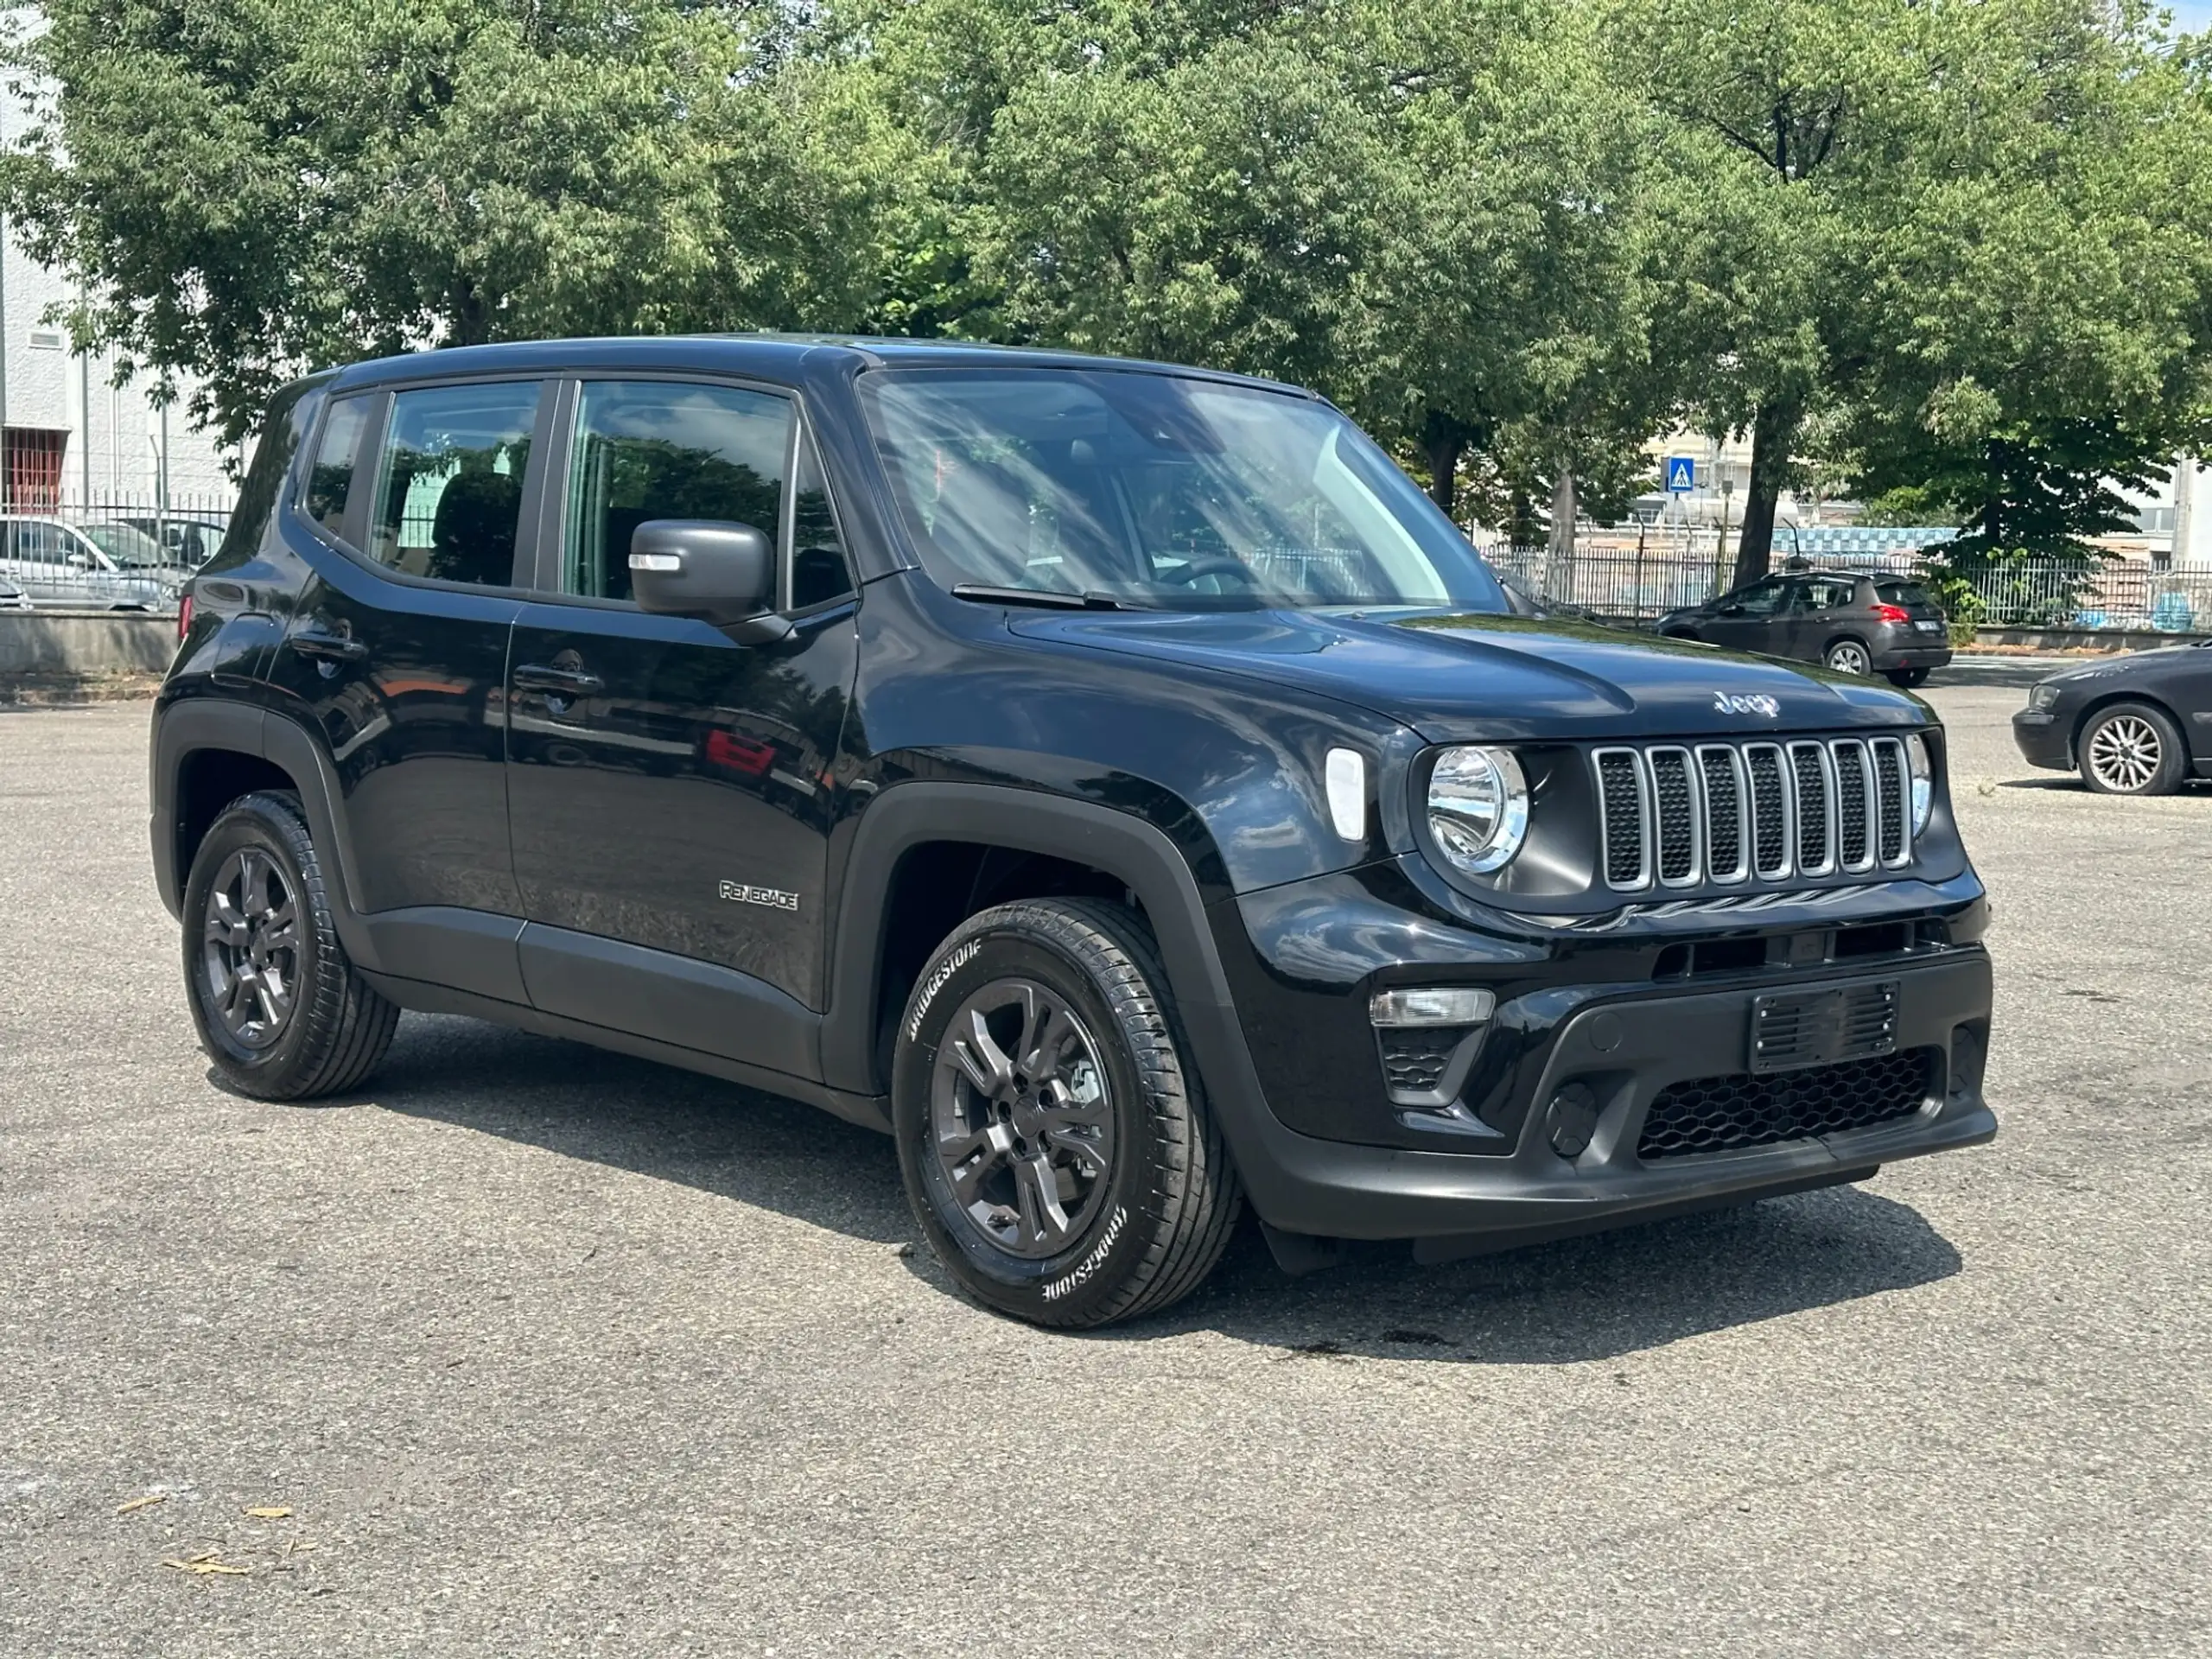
(1684, 815)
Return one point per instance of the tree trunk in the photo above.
(1560, 582)
(1445, 440)
(1773, 428)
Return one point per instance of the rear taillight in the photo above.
(1892, 613)
(183, 615)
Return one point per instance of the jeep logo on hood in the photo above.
(1745, 703)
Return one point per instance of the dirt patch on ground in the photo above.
(53, 690)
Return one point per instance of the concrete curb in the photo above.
(85, 642)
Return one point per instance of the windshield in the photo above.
(1161, 491)
(131, 549)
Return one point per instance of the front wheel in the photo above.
(2130, 748)
(1055, 1146)
(1848, 657)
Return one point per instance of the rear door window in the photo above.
(449, 481)
(1826, 594)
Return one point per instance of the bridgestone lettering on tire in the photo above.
(280, 1008)
(1055, 1143)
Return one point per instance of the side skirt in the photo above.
(870, 1111)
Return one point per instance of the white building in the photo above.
(75, 440)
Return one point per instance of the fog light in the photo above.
(1444, 1006)
(1570, 1120)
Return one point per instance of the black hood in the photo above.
(1465, 675)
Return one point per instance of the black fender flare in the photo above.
(1133, 851)
(181, 729)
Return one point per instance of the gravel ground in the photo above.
(547, 1351)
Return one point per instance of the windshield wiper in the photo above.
(1051, 599)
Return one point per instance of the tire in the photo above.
(1141, 1177)
(1848, 656)
(280, 1008)
(2130, 748)
(1907, 679)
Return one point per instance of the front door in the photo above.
(1750, 619)
(669, 788)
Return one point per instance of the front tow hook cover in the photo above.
(1570, 1120)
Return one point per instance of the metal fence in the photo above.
(124, 554)
(2110, 593)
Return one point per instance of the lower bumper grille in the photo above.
(1726, 1113)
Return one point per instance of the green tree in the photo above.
(251, 186)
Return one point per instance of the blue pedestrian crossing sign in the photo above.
(1682, 474)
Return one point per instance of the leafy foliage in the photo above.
(1956, 256)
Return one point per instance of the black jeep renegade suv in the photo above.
(1117, 782)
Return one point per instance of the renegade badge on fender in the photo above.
(1116, 782)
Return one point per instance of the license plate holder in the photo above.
(1794, 1029)
(1929, 627)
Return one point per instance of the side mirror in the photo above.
(80, 561)
(719, 572)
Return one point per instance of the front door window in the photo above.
(668, 449)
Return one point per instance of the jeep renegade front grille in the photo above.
(1684, 815)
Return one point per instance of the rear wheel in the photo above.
(280, 1008)
(1056, 1148)
(1848, 657)
(1907, 677)
(2130, 748)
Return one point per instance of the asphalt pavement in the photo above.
(529, 1349)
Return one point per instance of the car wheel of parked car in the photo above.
(1908, 678)
(1848, 657)
(1056, 1148)
(280, 1008)
(2130, 748)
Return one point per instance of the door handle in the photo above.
(337, 647)
(561, 681)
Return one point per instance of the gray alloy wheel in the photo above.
(280, 1008)
(1849, 657)
(250, 954)
(2130, 749)
(1018, 1107)
(1053, 1137)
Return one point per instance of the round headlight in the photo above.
(1478, 808)
(1923, 781)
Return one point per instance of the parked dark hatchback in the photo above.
(2132, 725)
(1851, 622)
(1116, 782)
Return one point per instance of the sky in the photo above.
(2194, 16)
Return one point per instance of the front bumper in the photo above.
(1627, 1049)
(2044, 739)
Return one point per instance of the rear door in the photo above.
(396, 649)
(673, 789)
(1750, 619)
(1821, 608)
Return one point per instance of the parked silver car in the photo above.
(95, 567)
(13, 598)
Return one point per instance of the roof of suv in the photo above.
(760, 353)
